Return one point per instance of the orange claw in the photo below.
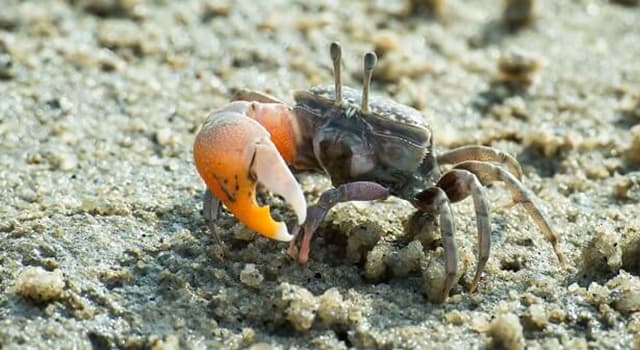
(233, 153)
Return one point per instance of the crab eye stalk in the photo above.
(370, 60)
(336, 56)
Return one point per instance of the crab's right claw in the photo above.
(232, 154)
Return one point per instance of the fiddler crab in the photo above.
(370, 147)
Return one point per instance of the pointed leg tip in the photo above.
(445, 294)
(474, 286)
(303, 259)
(217, 239)
(443, 298)
(292, 250)
(214, 231)
(562, 260)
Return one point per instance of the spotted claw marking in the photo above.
(234, 152)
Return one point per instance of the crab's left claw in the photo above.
(232, 154)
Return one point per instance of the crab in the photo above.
(370, 147)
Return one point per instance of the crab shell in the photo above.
(387, 145)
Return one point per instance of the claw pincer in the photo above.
(233, 152)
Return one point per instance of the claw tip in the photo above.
(282, 234)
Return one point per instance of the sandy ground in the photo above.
(102, 243)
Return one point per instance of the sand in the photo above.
(102, 242)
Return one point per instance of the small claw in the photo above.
(232, 154)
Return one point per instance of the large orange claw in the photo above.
(233, 153)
